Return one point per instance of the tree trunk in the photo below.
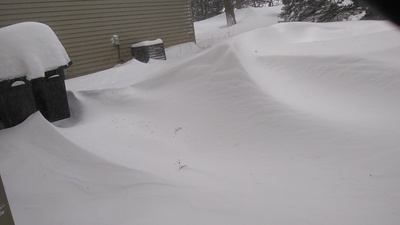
(239, 4)
(230, 14)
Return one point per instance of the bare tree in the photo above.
(230, 14)
(239, 4)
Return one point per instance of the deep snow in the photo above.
(277, 123)
(29, 49)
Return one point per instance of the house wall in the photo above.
(85, 27)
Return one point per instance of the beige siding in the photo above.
(85, 27)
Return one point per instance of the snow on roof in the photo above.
(147, 43)
(29, 49)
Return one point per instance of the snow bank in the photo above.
(29, 49)
(60, 175)
(214, 30)
(121, 76)
(288, 124)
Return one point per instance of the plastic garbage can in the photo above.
(16, 101)
(51, 96)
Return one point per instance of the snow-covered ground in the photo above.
(263, 123)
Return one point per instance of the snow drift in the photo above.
(287, 124)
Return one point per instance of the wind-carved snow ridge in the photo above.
(335, 82)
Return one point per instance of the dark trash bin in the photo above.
(148, 49)
(50, 95)
(16, 101)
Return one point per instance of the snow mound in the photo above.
(305, 32)
(50, 173)
(313, 122)
(29, 49)
(121, 76)
(326, 77)
(271, 130)
(214, 30)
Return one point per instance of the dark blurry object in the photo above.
(5, 210)
(145, 50)
(388, 8)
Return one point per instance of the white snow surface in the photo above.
(283, 123)
(29, 49)
(147, 43)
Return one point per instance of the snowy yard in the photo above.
(263, 123)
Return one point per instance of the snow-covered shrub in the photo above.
(319, 10)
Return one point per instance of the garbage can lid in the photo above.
(29, 49)
(147, 43)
